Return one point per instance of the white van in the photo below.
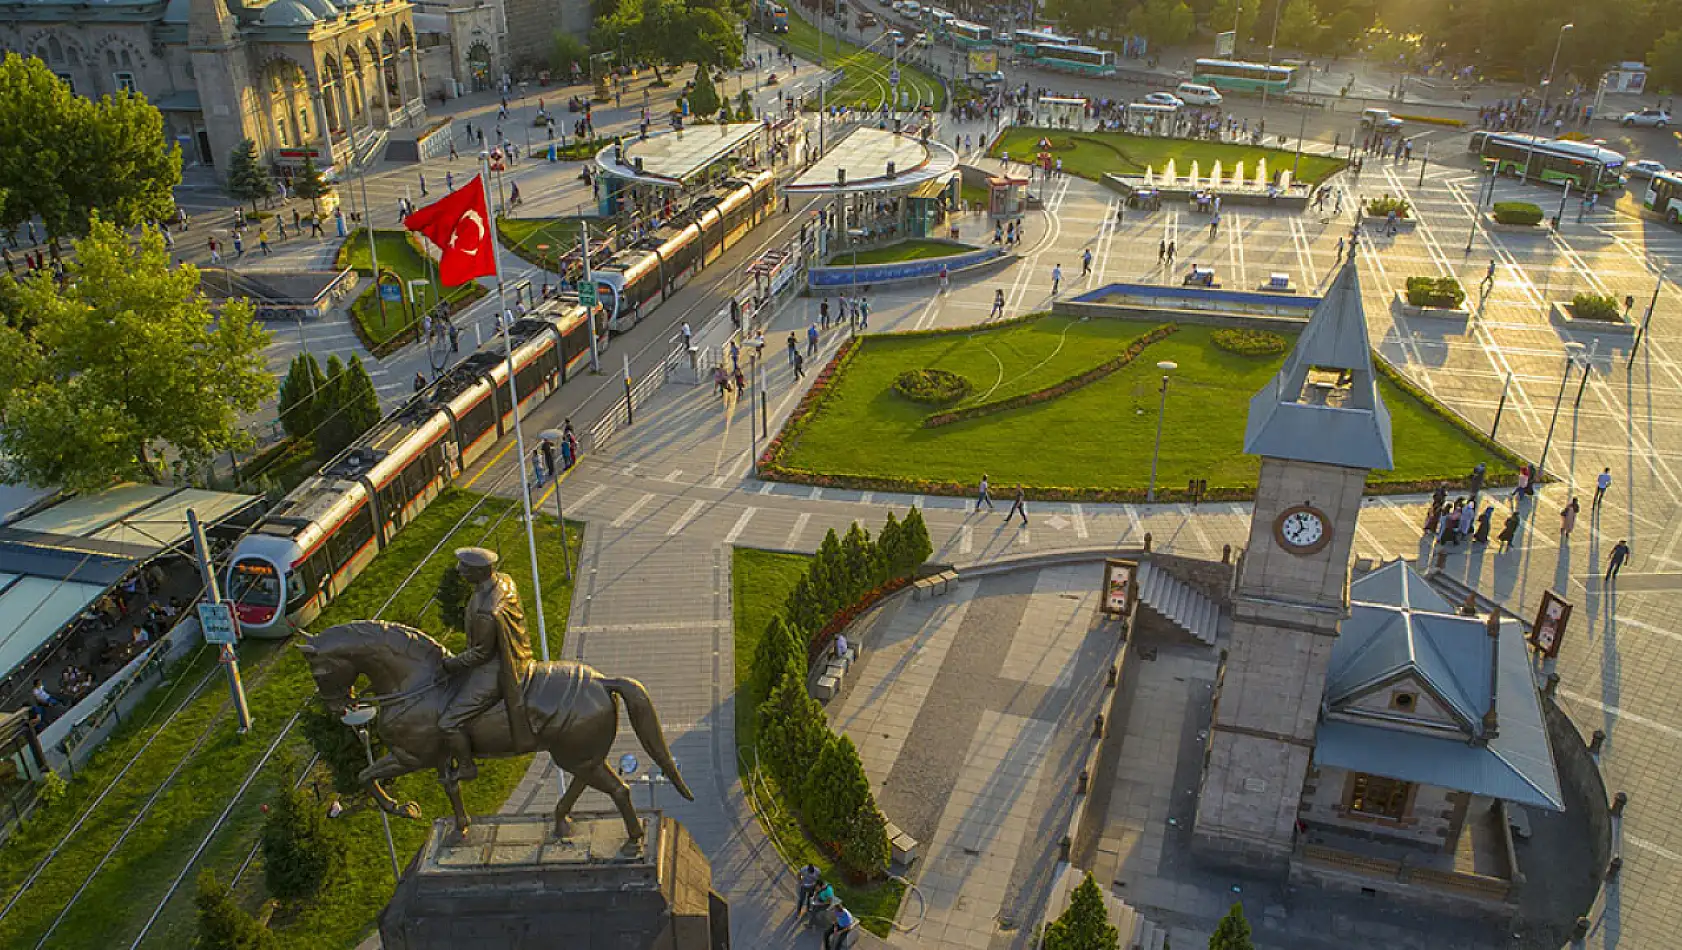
(1197, 94)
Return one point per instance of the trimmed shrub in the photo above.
(223, 924)
(1435, 292)
(298, 850)
(1381, 207)
(933, 387)
(1247, 342)
(1517, 212)
(1602, 307)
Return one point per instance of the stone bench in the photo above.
(835, 672)
(934, 585)
(903, 846)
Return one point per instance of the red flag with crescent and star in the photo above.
(459, 223)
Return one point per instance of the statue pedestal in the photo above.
(510, 886)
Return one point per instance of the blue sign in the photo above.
(392, 293)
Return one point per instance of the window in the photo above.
(125, 59)
(1406, 702)
(111, 58)
(125, 82)
(1379, 797)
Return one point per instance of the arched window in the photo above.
(55, 50)
(111, 58)
(127, 62)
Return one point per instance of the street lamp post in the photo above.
(1571, 351)
(1167, 366)
(361, 718)
(1641, 334)
(1530, 154)
(1477, 205)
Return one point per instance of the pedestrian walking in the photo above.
(215, 254)
(823, 312)
(455, 344)
(1488, 282)
(1214, 224)
(1522, 485)
(945, 279)
(1602, 482)
(799, 365)
(1161, 251)
(1019, 505)
(793, 349)
(1615, 563)
(1509, 531)
(1568, 519)
(812, 340)
(1086, 262)
(984, 495)
(1468, 513)
(688, 337)
(1481, 536)
(1170, 253)
(420, 382)
(998, 304)
(239, 245)
(1475, 482)
(1056, 278)
(864, 313)
(297, 221)
(809, 879)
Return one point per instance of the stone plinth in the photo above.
(510, 885)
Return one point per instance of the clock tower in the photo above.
(1319, 427)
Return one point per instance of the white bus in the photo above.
(1664, 196)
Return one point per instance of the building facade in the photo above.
(298, 77)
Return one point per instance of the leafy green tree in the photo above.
(1665, 61)
(1233, 932)
(1344, 29)
(453, 591)
(1084, 925)
(672, 32)
(308, 184)
(337, 744)
(298, 850)
(123, 360)
(744, 106)
(1226, 13)
(566, 50)
(248, 180)
(223, 924)
(1082, 16)
(1163, 22)
(298, 392)
(1299, 25)
(703, 97)
(68, 158)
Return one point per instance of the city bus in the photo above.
(779, 18)
(937, 20)
(1585, 165)
(1664, 196)
(1086, 60)
(967, 35)
(1227, 74)
(1025, 41)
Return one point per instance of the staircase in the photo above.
(1147, 935)
(1178, 602)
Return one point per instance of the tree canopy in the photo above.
(248, 180)
(121, 362)
(1084, 925)
(67, 158)
(672, 32)
(1233, 932)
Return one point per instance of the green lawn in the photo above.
(865, 85)
(524, 235)
(122, 895)
(760, 583)
(1094, 440)
(1094, 154)
(900, 251)
(397, 255)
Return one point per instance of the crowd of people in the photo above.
(1522, 114)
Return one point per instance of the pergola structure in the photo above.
(884, 185)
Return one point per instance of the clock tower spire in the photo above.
(1319, 427)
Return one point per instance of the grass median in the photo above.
(865, 72)
(1095, 154)
(382, 327)
(1093, 442)
(539, 241)
(122, 895)
(760, 583)
(900, 251)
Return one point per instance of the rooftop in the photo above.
(859, 164)
(674, 158)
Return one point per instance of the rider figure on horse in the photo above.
(497, 660)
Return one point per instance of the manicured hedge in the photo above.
(1435, 292)
(1248, 342)
(1602, 307)
(1381, 207)
(1517, 212)
(933, 387)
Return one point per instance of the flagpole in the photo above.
(514, 398)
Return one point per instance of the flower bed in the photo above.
(1248, 342)
(1057, 389)
(933, 387)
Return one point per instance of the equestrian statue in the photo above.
(439, 710)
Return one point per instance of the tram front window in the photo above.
(254, 583)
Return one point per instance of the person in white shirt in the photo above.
(44, 698)
(841, 646)
(1602, 482)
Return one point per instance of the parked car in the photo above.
(866, 20)
(1645, 168)
(1379, 119)
(1164, 99)
(1653, 117)
(895, 37)
(1197, 94)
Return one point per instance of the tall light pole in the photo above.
(1530, 155)
(1571, 351)
(1167, 366)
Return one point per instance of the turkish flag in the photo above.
(460, 224)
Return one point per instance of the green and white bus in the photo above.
(1026, 42)
(1086, 60)
(937, 20)
(1664, 196)
(1587, 166)
(1235, 76)
(967, 35)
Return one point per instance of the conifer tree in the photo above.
(792, 732)
(856, 557)
(223, 925)
(298, 851)
(308, 184)
(778, 650)
(915, 548)
(298, 393)
(359, 399)
(1084, 925)
(248, 180)
(332, 429)
(1233, 932)
(703, 98)
(888, 544)
(836, 790)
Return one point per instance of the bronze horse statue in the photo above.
(569, 705)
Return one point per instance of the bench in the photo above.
(933, 585)
(903, 846)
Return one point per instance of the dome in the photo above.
(287, 13)
(323, 9)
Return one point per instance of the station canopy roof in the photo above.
(864, 156)
(674, 158)
(61, 559)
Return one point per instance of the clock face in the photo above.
(1302, 530)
